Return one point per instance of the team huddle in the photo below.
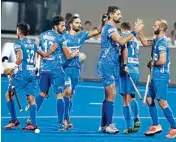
(58, 51)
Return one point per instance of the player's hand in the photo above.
(104, 18)
(150, 64)
(138, 26)
(76, 52)
(124, 70)
(53, 47)
(8, 71)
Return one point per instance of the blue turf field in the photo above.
(85, 116)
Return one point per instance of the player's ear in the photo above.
(55, 27)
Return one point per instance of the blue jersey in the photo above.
(110, 48)
(133, 54)
(161, 46)
(74, 42)
(29, 49)
(47, 39)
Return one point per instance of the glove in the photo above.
(104, 18)
(150, 64)
(124, 70)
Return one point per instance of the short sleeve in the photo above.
(17, 46)
(111, 31)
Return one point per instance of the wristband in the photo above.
(133, 33)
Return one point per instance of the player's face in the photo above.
(117, 16)
(61, 27)
(156, 27)
(76, 25)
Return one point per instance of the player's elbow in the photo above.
(162, 61)
(18, 61)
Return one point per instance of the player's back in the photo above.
(161, 46)
(133, 54)
(47, 39)
(75, 42)
(109, 48)
(29, 50)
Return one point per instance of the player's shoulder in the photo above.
(17, 42)
(164, 41)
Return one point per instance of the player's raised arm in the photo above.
(122, 40)
(146, 42)
(98, 30)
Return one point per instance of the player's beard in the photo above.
(117, 21)
(157, 32)
(76, 29)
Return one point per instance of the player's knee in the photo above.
(68, 92)
(150, 101)
(43, 94)
(31, 99)
(9, 96)
(163, 103)
(59, 96)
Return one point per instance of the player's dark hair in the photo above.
(72, 19)
(24, 28)
(87, 22)
(57, 19)
(111, 10)
(126, 26)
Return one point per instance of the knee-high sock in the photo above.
(39, 101)
(169, 116)
(153, 113)
(33, 113)
(67, 106)
(134, 108)
(109, 108)
(127, 115)
(60, 110)
(11, 108)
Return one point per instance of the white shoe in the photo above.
(111, 129)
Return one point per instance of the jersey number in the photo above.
(30, 54)
(47, 44)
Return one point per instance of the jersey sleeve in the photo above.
(17, 46)
(111, 31)
(162, 47)
(85, 35)
(63, 42)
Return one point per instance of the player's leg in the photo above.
(106, 72)
(32, 89)
(124, 91)
(11, 107)
(44, 84)
(58, 80)
(162, 99)
(67, 97)
(155, 128)
(75, 73)
(134, 103)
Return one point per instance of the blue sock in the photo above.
(33, 113)
(127, 115)
(103, 119)
(134, 108)
(70, 107)
(109, 107)
(67, 106)
(11, 108)
(39, 101)
(60, 110)
(153, 114)
(169, 116)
